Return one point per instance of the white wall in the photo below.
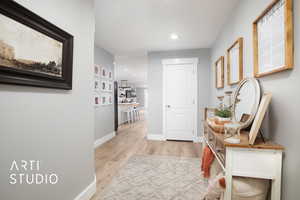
(284, 110)
(53, 126)
(155, 82)
(104, 115)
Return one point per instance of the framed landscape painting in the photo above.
(32, 50)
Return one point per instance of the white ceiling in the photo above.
(133, 27)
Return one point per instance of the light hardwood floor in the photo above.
(131, 140)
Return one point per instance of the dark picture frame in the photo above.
(17, 76)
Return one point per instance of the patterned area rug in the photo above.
(157, 178)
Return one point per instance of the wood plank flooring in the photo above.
(130, 140)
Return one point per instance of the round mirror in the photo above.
(246, 102)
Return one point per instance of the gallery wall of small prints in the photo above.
(103, 86)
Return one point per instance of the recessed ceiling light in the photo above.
(174, 36)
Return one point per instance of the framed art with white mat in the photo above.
(104, 86)
(110, 75)
(219, 71)
(110, 99)
(97, 85)
(97, 70)
(110, 86)
(96, 100)
(104, 73)
(262, 109)
(103, 99)
(273, 39)
(235, 62)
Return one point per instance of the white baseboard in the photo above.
(198, 139)
(88, 192)
(104, 139)
(156, 137)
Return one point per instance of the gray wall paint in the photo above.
(155, 82)
(53, 126)
(140, 96)
(104, 115)
(283, 118)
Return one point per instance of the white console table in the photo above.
(261, 160)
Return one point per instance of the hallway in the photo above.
(130, 140)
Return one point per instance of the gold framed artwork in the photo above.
(235, 62)
(273, 39)
(219, 70)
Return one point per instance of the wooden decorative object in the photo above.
(264, 104)
(215, 125)
(235, 62)
(219, 70)
(273, 39)
(207, 112)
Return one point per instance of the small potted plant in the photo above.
(223, 114)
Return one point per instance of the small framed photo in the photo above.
(110, 86)
(104, 86)
(110, 99)
(110, 75)
(104, 73)
(97, 85)
(96, 100)
(103, 100)
(97, 70)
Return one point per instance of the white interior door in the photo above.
(180, 99)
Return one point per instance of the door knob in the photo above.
(168, 106)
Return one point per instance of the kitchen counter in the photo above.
(123, 107)
(133, 103)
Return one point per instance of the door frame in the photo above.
(176, 61)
